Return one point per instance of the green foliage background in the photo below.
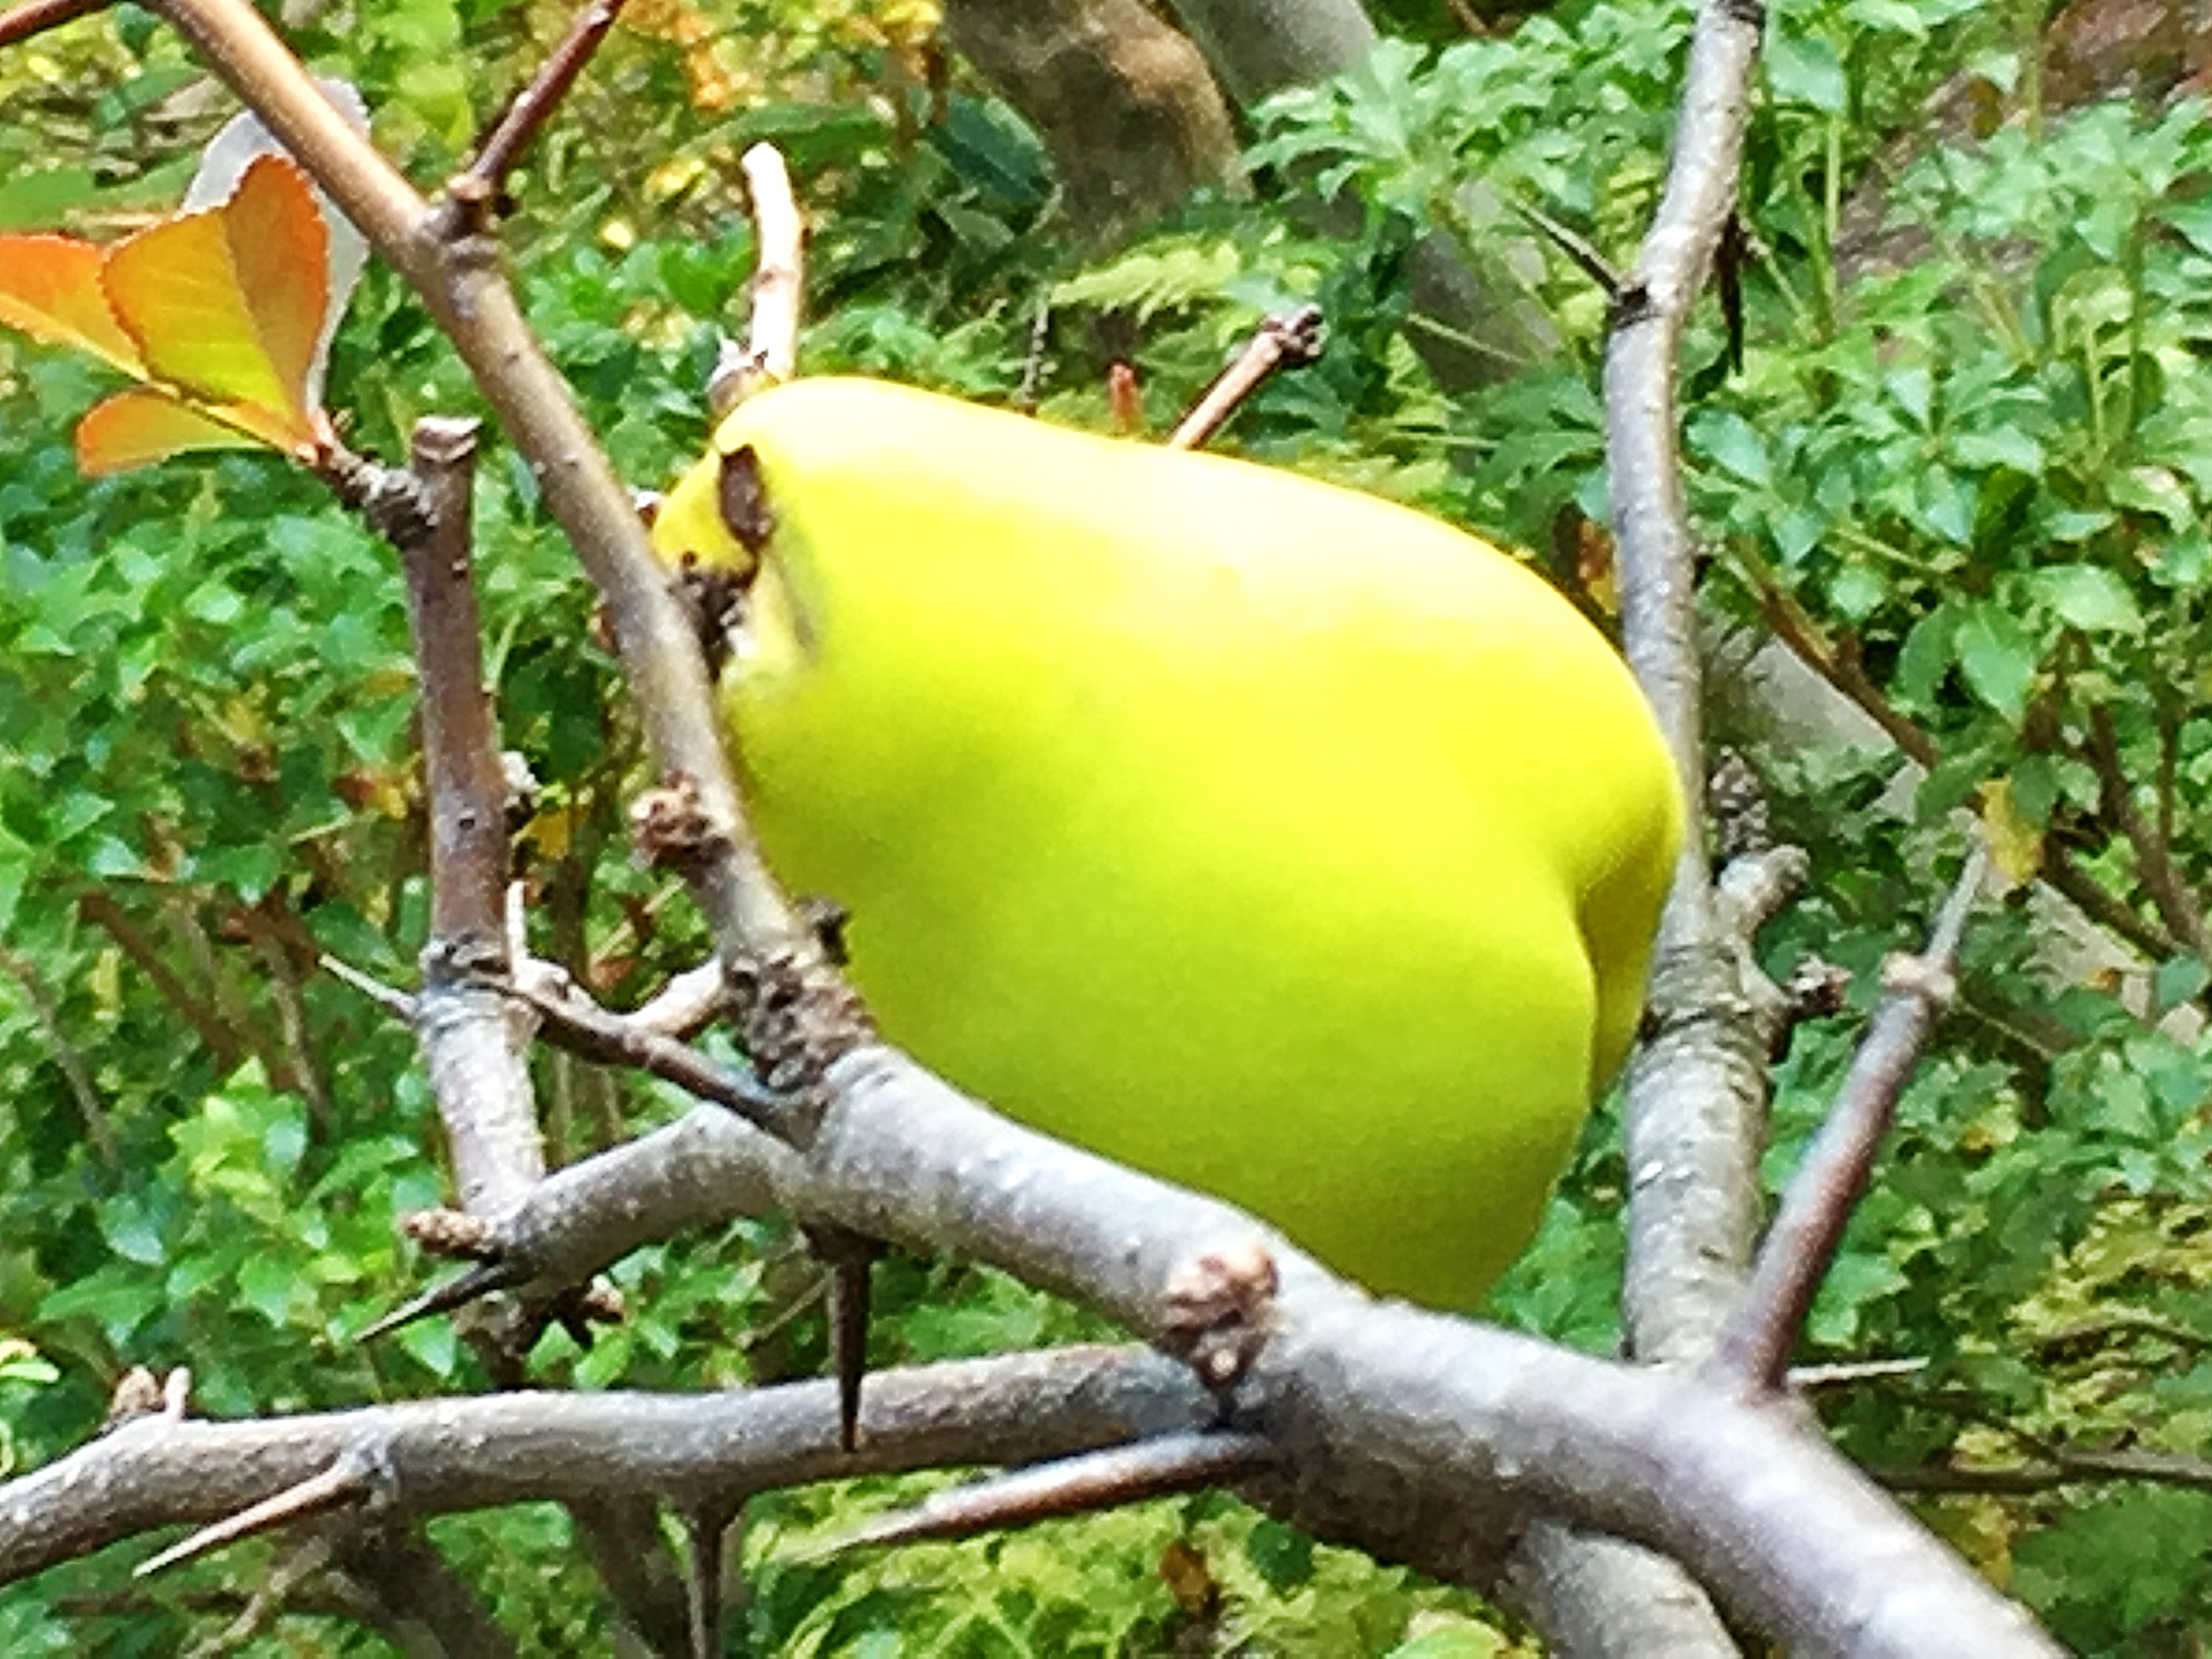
(1966, 463)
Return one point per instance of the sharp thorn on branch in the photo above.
(477, 1282)
(1161, 1468)
(393, 1001)
(348, 1481)
(1577, 248)
(851, 1260)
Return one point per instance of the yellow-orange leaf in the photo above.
(2015, 845)
(138, 428)
(50, 290)
(227, 304)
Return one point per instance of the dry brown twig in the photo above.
(1279, 342)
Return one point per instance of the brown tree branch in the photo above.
(35, 17)
(473, 1041)
(1289, 341)
(2154, 860)
(98, 1127)
(503, 150)
(1753, 1351)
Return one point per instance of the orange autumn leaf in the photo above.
(227, 304)
(219, 314)
(50, 290)
(142, 426)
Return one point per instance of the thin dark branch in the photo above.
(75, 1072)
(272, 1596)
(2153, 861)
(1577, 248)
(503, 150)
(2090, 897)
(225, 1043)
(2064, 1467)
(1797, 629)
(292, 1025)
(1280, 342)
(575, 1023)
(1754, 1351)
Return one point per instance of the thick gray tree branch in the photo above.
(1696, 1091)
(435, 1457)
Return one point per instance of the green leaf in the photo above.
(2088, 597)
(1735, 445)
(1282, 1555)
(2155, 490)
(1806, 71)
(2005, 446)
(1997, 658)
(129, 1231)
(2178, 978)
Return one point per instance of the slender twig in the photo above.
(37, 16)
(574, 1022)
(2154, 867)
(1075, 1485)
(2090, 897)
(503, 149)
(2061, 1468)
(779, 266)
(770, 357)
(685, 1006)
(224, 1041)
(1279, 342)
(1808, 1379)
(1795, 628)
(1754, 1351)
(2125, 1321)
(1026, 397)
(67, 1055)
(292, 1026)
(272, 1596)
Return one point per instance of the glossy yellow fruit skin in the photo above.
(1274, 839)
